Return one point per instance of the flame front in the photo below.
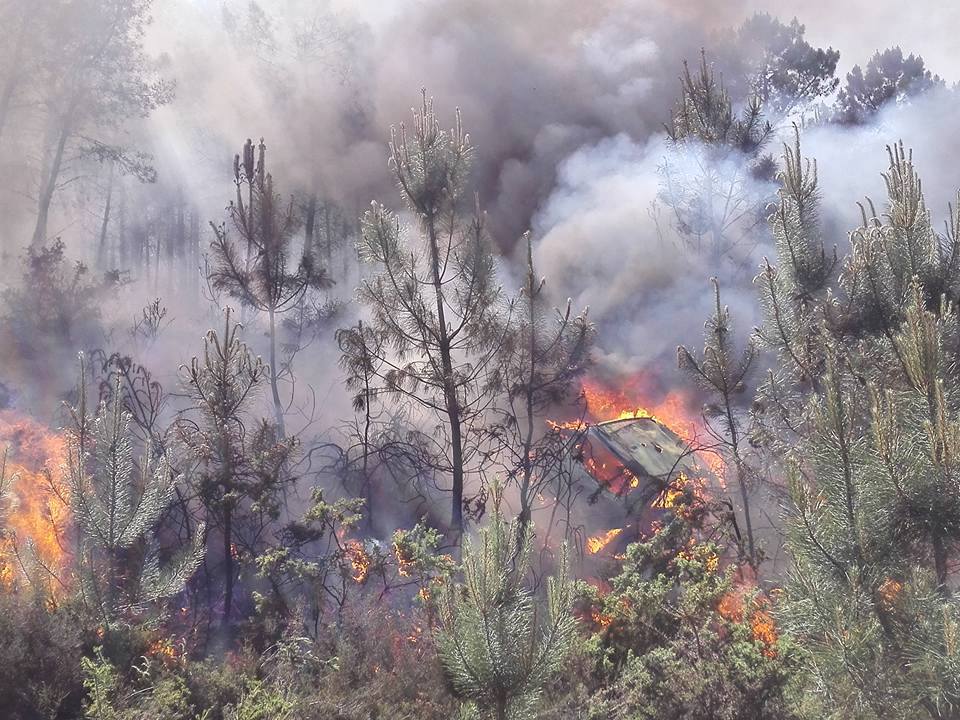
(597, 543)
(762, 626)
(633, 399)
(359, 560)
(36, 516)
(604, 404)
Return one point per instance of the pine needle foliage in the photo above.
(722, 372)
(255, 264)
(704, 113)
(433, 297)
(866, 412)
(889, 77)
(544, 352)
(795, 286)
(496, 646)
(714, 180)
(240, 460)
(117, 503)
(780, 66)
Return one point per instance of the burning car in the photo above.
(637, 467)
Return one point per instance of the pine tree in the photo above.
(722, 372)
(704, 113)
(491, 642)
(241, 462)
(433, 299)
(116, 504)
(542, 358)
(888, 77)
(257, 269)
(94, 75)
(709, 180)
(867, 417)
(361, 352)
(774, 60)
(886, 258)
(794, 289)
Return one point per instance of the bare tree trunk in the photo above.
(456, 440)
(194, 252)
(309, 223)
(180, 250)
(940, 563)
(122, 249)
(526, 510)
(345, 248)
(451, 402)
(328, 239)
(367, 424)
(49, 188)
(102, 247)
(500, 710)
(227, 565)
(741, 478)
(277, 405)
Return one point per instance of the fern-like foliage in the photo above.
(116, 504)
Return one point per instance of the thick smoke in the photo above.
(535, 81)
(607, 242)
(851, 160)
(565, 104)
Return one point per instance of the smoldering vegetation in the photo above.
(453, 359)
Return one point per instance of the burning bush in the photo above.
(676, 634)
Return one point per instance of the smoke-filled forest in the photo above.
(479, 359)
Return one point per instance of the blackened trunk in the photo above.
(500, 709)
(451, 402)
(328, 235)
(940, 562)
(309, 225)
(194, 252)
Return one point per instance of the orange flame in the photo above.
(632, 399)
(359, 560)
(670, 497)
(619, 404)
(611, 473)
(164, 650)
(765, 631)
(404, 561)
(36, 514)
(889, 591)
(597, 543)
(762, 626)
(601, 619)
